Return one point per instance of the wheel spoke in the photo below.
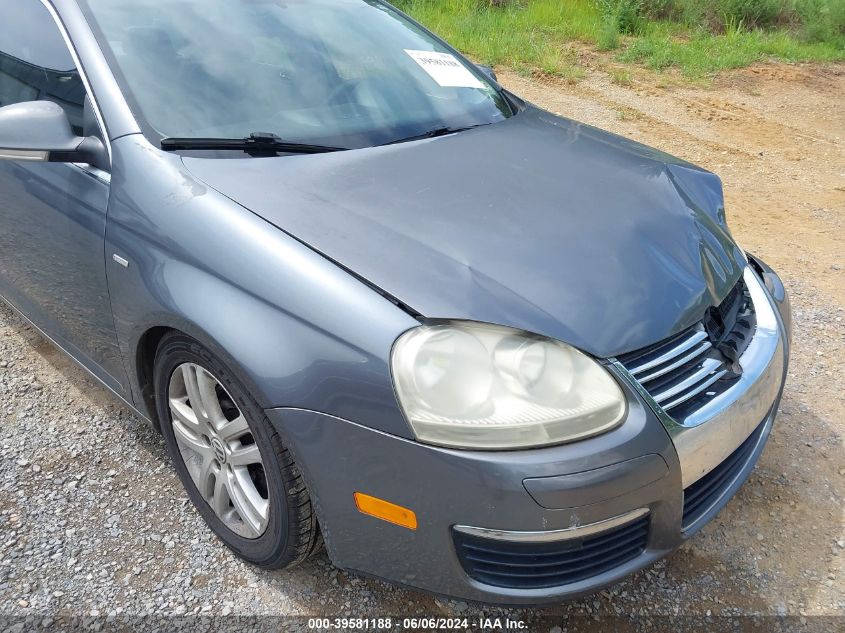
(245, 456)
(207, 386)
(220, 501)
(233, 429)
(189, 375)
(188, 439)
(208, 475)
(185, 414)
(252, 509)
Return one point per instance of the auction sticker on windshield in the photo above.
(445, 69)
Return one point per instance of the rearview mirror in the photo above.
(488, 72)
(40, 131)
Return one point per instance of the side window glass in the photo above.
(35, 63)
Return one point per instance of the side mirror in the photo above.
(40, 131)
(488, 72)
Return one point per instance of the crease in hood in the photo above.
(537, 222)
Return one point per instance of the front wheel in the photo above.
(232, 462)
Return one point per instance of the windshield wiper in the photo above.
(255, 143)
(438, 131)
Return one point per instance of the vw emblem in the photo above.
(219, 450)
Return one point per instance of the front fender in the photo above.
(300, 331)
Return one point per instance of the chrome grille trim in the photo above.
(699, 388)
(685, 366)
(691, 357)
(691, 384)
(564, 534)
(693, 338)
(702, 348)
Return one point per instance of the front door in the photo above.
(53, 215)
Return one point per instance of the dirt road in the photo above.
(93, 520)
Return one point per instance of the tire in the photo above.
(255, 501)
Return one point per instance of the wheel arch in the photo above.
(145, 352)
(146, 347)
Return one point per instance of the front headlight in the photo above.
(471, 385)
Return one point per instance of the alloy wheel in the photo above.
(219, 450)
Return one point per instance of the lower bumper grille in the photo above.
(701, 496)
(541, 565)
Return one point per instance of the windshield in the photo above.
(344, 73)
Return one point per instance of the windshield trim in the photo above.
(155, 137)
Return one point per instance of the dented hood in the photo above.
(537, 222)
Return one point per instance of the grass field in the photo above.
(698, 37)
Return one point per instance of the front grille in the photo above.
(539, 565)
(701, 496)
(685, 371)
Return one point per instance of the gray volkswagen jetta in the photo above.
(371, 298)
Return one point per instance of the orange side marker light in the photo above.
(386, 511)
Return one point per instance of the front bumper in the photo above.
(550, 497)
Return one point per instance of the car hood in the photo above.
(537, 222)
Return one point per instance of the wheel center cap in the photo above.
(219, 450)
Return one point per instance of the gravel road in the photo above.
(94, 522)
